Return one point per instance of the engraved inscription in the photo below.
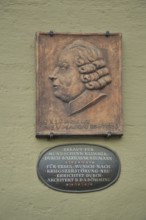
(72, 124)
(78, 168)
(80, 73)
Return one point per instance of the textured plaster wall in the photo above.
(22, 195)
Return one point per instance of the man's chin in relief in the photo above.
(63, 97)
(67, 93)
(79, 74)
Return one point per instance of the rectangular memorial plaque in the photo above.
(78, 84)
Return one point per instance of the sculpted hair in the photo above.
(91, 65)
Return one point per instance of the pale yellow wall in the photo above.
(22, 195)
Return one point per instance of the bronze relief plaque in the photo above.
(78, 168)
(78, 84)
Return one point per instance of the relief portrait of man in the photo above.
(79, 76)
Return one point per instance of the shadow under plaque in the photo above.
(78, 84)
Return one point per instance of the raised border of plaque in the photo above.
(78, 79)
(78, 168)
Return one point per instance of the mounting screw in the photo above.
(51, 135)
(51, 33)
(107, 34)
(109, 134)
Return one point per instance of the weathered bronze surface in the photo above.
(78, 84)
(78, 168)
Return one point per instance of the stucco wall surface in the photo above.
(22, 195)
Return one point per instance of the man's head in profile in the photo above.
(79, 75)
